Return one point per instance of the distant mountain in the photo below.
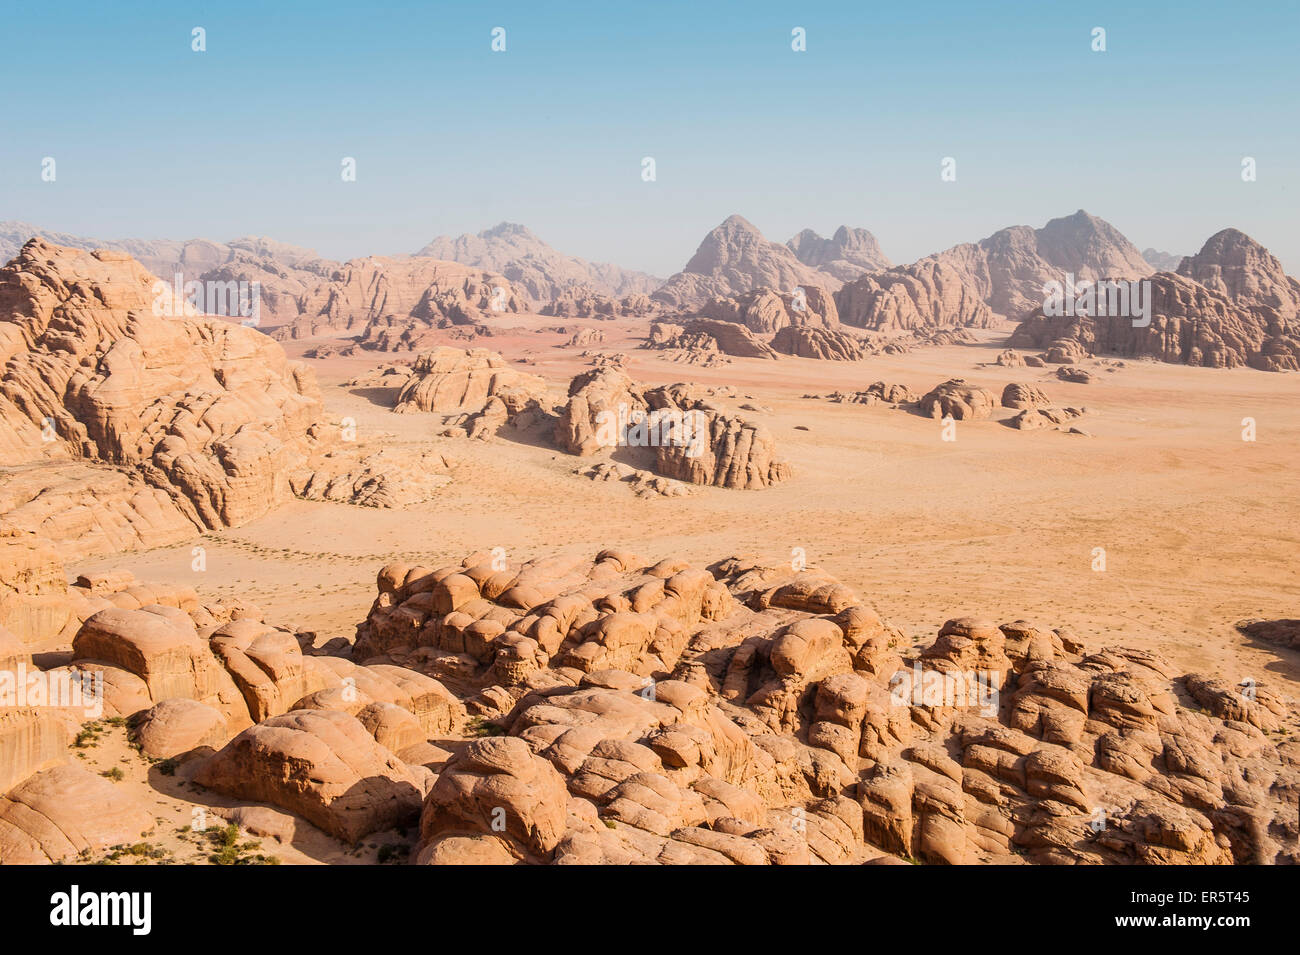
(1227, 306)
(1000, 277)
(734, 259)
(1162, 261)
(846, 255)
(534, 268)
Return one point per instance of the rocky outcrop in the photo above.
(284, 273)
(709, 337)
(736, 453)
(451, 380)
(128, 421)
(808, 341)
(1037, 418)
(57, 815)
(959, 400)
(584, 301)
(1021, 395)
(322, 765)
(1237, 267)
(754, 715)
(685, 435)
(201, 419)
(766, 310)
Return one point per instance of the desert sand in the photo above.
(1199, 526)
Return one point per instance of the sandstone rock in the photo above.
(177, 726)
(1022, 396)
(1230, 305)
(956, 398)
(448, 380)
(322, 765)
(58, 814)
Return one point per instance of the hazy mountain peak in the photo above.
(534, 267)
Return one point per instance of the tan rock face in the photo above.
(711, 337)
(201, 417)
(400, 303)
(960, 400)
(57, 814)
(177, 726)
(585, 301)
(846, 255)
(659, 714)
(321, 764)
(1021, 395)
(687, 437)
(1237, 267)
(448, 380)
(739, 454)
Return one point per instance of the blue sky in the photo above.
(154, 140)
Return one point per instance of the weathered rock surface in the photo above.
(686, 436)
(450, 380)
(322, 765)
(659, 714)
(56, 815)
(1022, 395)
(961, 401)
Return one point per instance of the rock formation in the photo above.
(200, 419)
(682, 434)
(450, 380)
(749, 715)
(961, 401)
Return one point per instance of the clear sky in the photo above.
(154, 140)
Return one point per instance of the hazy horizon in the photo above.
(450, 137)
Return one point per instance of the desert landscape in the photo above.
(489, 554)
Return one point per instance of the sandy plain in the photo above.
(1201, 529)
